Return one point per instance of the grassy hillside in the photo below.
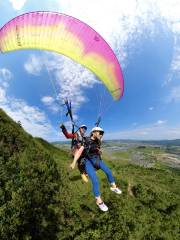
(29, 182)
(41, 198)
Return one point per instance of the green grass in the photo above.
(39, 189)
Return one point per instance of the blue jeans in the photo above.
(89, 166)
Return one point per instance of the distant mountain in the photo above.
(175, 142)
(60, 142)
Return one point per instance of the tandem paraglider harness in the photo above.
(92, 149)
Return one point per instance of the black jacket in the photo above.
(92, 148)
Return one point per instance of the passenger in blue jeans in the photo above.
(94, 162)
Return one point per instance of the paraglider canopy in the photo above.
(68, 36)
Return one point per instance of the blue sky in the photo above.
(144, 34)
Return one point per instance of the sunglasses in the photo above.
(84, 128)
(100, 133)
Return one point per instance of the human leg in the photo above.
(93, 177)
(107, 171)
(81, 168)
(110, 177)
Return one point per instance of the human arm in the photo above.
(67, 134)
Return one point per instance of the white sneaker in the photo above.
(102, 206)
(116, 190)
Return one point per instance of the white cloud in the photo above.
(150, 132)
(2, 95)
(122, 23)
(117, 23)
(174, 95)
(170, 11)
(47, 100)
(68, 79)
(32, 118)
(51, 104)
(176, 61)
(175, 64)
(160, 122)
(17, 4)
(151, 108)
(33, 65)
(72, 78)
(5, 76)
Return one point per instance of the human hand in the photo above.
(62, 126)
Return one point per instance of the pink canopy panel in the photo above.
(68, 36)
